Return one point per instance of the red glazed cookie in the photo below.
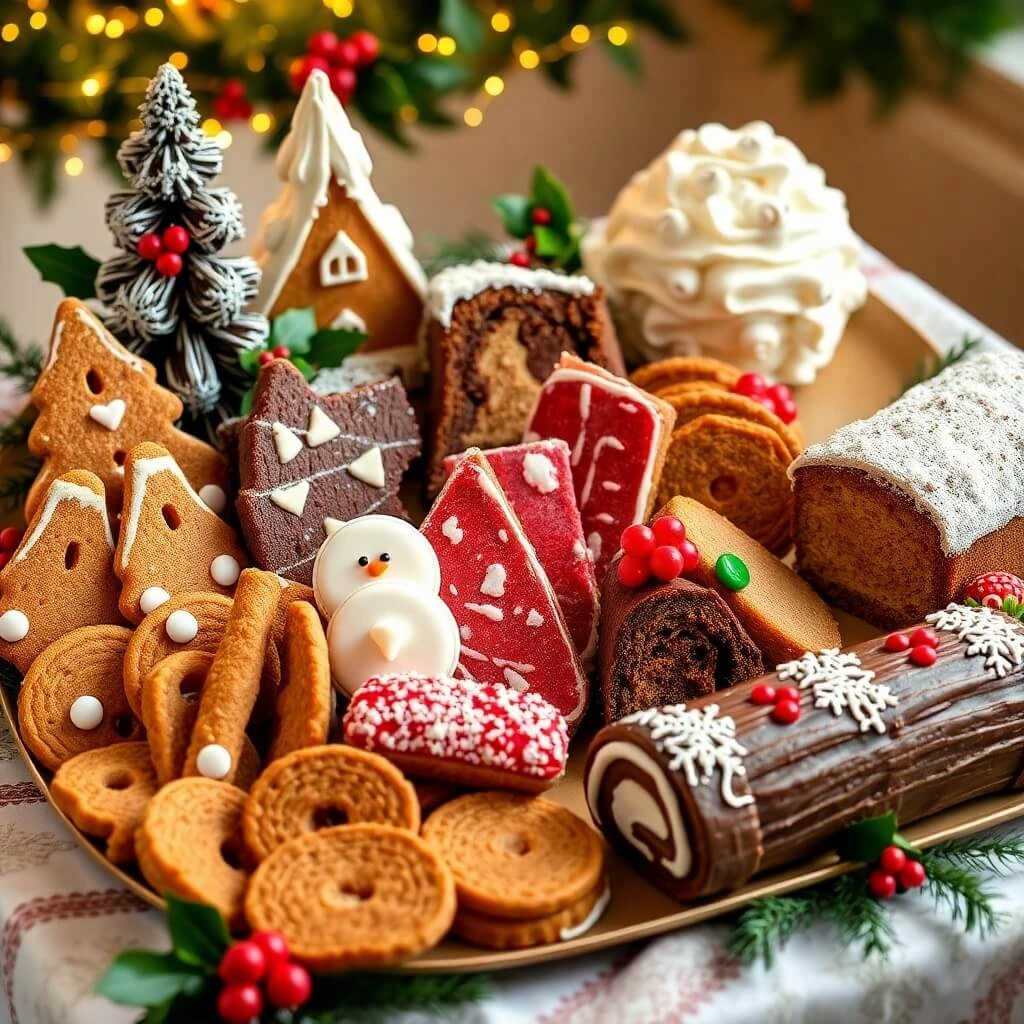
(170, 541)
(537, 480)
(513, 632)
(618, 436)
(472, 734)
(60, 576)
(105, 792)
(96, 402)
(187, 622)
(72, 699)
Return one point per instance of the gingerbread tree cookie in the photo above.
(513, 631)
(170, 541)
(96, 402)
(60, 577)
(309, 462)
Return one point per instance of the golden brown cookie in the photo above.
(515, 856)
(96, 402)
(189, 844)
(105, 793)
(167, 630)
(302, 716)
(654, 377)
(317, 787)
(170, 700)
(61, 575)
(671, 390)
(233, 680)
(72, 698)
(170, 541)
(432, 794)
(501, 933)
(290, 592)
(353, 896)
(736, 468)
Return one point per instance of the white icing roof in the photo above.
(451, 286)
(953, 445)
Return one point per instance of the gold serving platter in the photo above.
(879, 352)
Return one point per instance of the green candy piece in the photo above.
(732, 571)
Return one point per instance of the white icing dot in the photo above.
(503, 536)
(13, 626)
(86, 713)
(181, 626)
(450, 528)
(494, 581)
(225, 570)
(109, 415)
(213, 761)
(488, 611)
(151, 599)
(466, 632)
(515, 680)
(534, 618)
(540, 473)
(213, 497)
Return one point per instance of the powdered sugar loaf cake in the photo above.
(895, 513)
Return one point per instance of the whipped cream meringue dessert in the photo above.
(730, 244)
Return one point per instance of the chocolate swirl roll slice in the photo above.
(702, 796)
(668, 642)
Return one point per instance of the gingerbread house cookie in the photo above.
(494, 333)
(895, 513)
(329, 242)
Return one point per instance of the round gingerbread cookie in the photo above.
(193, 621)
(188, 844)
(736, 468)
(561, 926)
(515, 856)
(72, 698)
(328, 785)
(169, 703)
(353, 896)
(654, 377)
(105, 792)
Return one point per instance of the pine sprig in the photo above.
(859, 918)
(961, 893)
(452, 252)
(15, 482)
(995, 854)
(19, 363)
(767, 925)
(934, 365)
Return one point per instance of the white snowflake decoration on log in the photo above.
(841, 683)
(699, 742)
(988, 633)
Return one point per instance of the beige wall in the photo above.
(931, 187)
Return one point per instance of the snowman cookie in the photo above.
(377, 578)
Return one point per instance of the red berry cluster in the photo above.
(339, 59)
(277, 352)
(10, 538)
(260, 960)
(922, 646)
(660, 550)
(540, 216)
(992, 589)
(165, 249)
(232, 102)
(776, 398)
(895, 871)
(785, 701)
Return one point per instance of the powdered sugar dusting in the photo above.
(494, 581)
(954, 446)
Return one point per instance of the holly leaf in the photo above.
(550, 243)
(249, 360)
(143, 977)
(198, 932)
(437, 74)
(662, 17)
(330, 347)
(73, 270)
(514, 212)
(546, 190)
(303, 366)
(627, 57)
(294, 329)
(865, 840)
(245, 406)
(463, 23)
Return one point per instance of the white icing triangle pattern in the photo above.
(321, 428)
(109, 415)
(369, 468)
(332, 526)
(286, 443)
(292, 498)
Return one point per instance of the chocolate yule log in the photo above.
(667, 642)
(700, 797)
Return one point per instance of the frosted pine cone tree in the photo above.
(169, 294)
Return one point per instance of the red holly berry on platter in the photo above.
(786, 712)
(788, 693)
(763, 693)
(232, 102)
(530, 243)
(923, 656)
(993, 588)
(347, 55)
(289, 986)
(367, 47)
(303, 67)
(273, 944)
(632, 571)
(691, 556)
(638, 540)
(281, 352)
(896, 642)
(669, 530)
(785, 407)
(881, 884)
(176, 239)
(666, 563)
(892, 859)
(519, 258)
(750, 384)
(323, 44)
(238, 1004)
(540, 215)
(266, 358)
(149, 247)
(343, 84)
(10, 538)
(242, 963)
(924, 637)
(912, 875)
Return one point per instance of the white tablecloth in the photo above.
(62, 919)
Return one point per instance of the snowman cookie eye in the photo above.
(385, 557)
(364, 561)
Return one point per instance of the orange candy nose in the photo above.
(377, 567)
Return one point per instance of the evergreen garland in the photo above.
(934, 365)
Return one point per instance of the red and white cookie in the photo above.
(513, 632)
(537, 480)
(617, 436)
(455, 730)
